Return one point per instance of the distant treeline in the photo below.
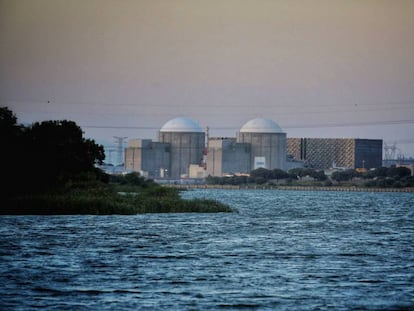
(383, 177)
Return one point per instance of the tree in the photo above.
(8, 120)
(11, 156)
(59, 153)
(398, 172)
(279, 174)
(10, 131)
(262, 173)
(319, 175)
(45, 155)
(343, 175)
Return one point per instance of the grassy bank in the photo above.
(107, 200)
(309, 187)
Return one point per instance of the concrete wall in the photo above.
(225, 156)
(185, 149)
(271, 146)
(214, 157)
(196, 171)
(148, 156)
(133, 159)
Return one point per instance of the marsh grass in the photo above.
(107, 201)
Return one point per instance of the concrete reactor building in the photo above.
(186, 140)
(259, 143)
(267, 141)
(184, 150)
(181, 143)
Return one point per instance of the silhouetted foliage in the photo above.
(344, 175)
(261, 173)
(50, 169)
(131, 180)
(279, 174)
(398, 172)
(46, 155)
(59, 152)
(401, 174)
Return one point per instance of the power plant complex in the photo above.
(185, 150)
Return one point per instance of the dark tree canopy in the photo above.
(9, 130)
(344, 175)
(8, 119)
(46, 154)
(60, 152)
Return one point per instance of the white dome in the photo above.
(260, 125)
(182, 125)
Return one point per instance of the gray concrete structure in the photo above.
(267, 141)
(181, 143)
(151, 159)
(259, 143)
(226, 156)
(186, 142)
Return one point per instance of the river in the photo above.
(281, 250)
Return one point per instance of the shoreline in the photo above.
(296, 188)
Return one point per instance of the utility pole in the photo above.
(120, 148)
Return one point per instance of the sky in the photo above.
(122, 68)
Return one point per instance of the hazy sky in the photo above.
(321, 68)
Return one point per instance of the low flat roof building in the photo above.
(227, 156)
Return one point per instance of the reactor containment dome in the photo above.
(181, 125)
(261, 125)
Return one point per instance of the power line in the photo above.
(355, 104)
(320, 125)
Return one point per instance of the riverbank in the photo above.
(297, 188)
(106, 201)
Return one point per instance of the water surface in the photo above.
(282, 250)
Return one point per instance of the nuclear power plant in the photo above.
(186, 142)
(185, 150)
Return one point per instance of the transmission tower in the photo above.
(111, 159)
(389, 151)
(120, 148)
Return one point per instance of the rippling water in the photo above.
(283, 250)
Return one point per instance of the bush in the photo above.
(343, 175)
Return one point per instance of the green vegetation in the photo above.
(383, 177)
(262, 176)
(113, 198)
(50, 170)
(392, 177)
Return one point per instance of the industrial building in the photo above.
(226, 156)
(186, 141)
(267, 141)
(324, 153)
(181, 143)
(259, 143)
(184, 150)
